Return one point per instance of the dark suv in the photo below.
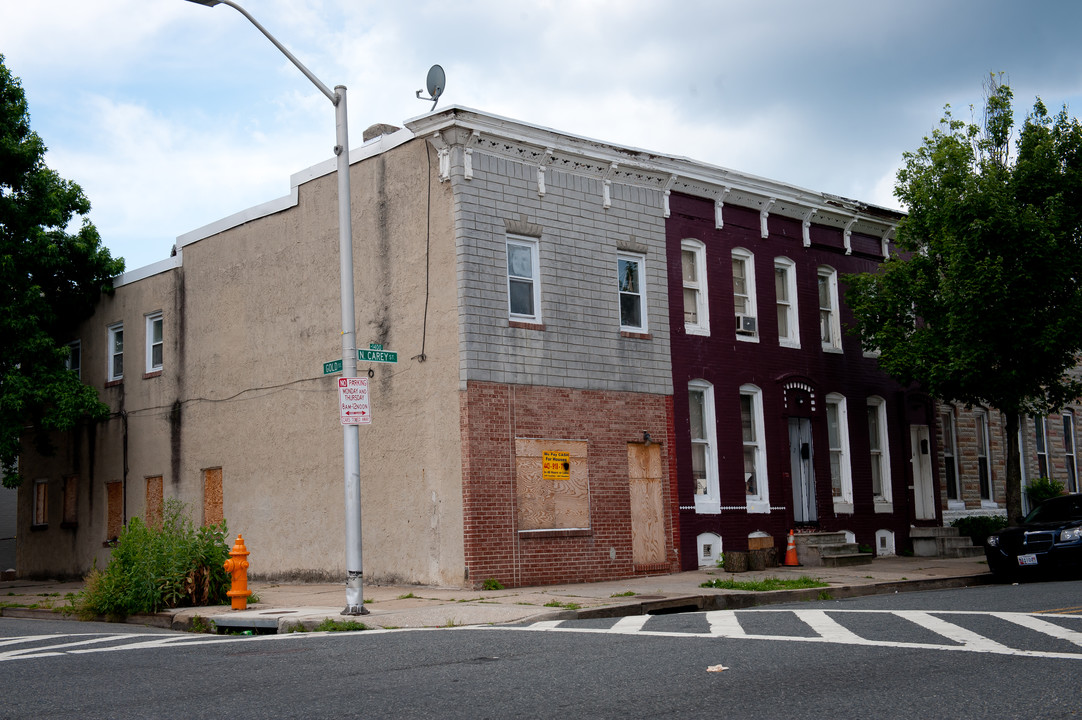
(1048, 540)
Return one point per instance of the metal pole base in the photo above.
(355, 610)
(354, 594)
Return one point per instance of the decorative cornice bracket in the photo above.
(764, 215)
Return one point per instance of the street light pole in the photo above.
(350, 433)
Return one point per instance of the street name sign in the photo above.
(353, 401)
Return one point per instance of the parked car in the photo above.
(1049, 540)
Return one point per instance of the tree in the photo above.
(983, 306)
(50, 280)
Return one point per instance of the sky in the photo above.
(172, 115)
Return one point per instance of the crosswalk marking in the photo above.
(968, 639)
(1042, 626)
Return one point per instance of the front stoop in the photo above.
(944, 542)
(829, 549)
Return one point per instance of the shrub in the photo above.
(1041, 489)
(153, 568)
(980, 527)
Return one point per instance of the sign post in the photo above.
(353, 401)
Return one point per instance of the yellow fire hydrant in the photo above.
(237, 567)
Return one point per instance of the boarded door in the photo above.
(921, 458)
(647, 506)
(800, 465)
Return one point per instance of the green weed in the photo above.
(491, 584)
(770, 583)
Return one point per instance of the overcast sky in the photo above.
(172, 115)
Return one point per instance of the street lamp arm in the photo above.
(292, 58)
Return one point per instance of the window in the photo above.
(114, 508)
(744, 295)
(523, 279)
(74, 361)
(1041, 429)
(693, 269)
(630, 273)
(829, 324)
(950, 455)
(155, 501)
(71, 499)
(984, 469)
(785, 292)
(704, 466)
(115, 358)
(548, 500)
(41, 503)
(1068, 452)
(751, 425)
(841, 479)
(879, 450)
(213, 501)
(154, 342)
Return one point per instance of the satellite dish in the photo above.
(435, 83)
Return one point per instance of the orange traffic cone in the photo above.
(790, 552)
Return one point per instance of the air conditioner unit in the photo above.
(745, 324)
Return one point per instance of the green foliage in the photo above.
(979, 527)
(50, 280)
(770, 583)
(331, 625)
(176, 565)
(491, 584)
(1041, 489)
(983, 306)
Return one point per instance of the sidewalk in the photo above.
(282, 605)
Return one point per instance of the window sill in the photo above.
(152, 374)
(554, 533)
(114, 383)
(636, 335)
(526, 325)
(707, 507)
(989, 504)
(747, 338)
(69, 524)
(697, 330)
(832, 349)
(884, 507)
(843, 508)
(758, 506)
(39, 528)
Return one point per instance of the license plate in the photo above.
(1030, 559)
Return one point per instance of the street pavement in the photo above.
(284, 604)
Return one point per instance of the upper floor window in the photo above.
(878, 449)
(1068, 452)
(693, 270)
(785, 292)
(74, 361)
(984, 464)
(704, 466)
(830, 333)
(115, 352)
(744, 294)
(841, 480)
(41, 503)
(1040, 427)
(630, 275)
(523, 279)
(950, 455)
(751, 424)
(154, 342)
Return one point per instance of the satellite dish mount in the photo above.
(436, 82)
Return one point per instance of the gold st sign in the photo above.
(555, 465)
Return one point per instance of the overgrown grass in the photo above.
(770, 583)
(332, 625)
(153, 568)
(567, 605)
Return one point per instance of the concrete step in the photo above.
(847, 559)
(933, 532)
(839, 549)
(820, 538)
(942, 542)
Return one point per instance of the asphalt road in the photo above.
(1010, 651)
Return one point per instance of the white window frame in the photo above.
(74, 361)
(640, 293)
(792, 337)
(843, 503)
(151, 319)
(534, 278)
(1070, 453)
(984, 438)
(759, 502)
(710, 501)
(1040, 440)
(831, 322)
(111, 353)
(950, 461)
(697, 286)
(884, 500)
(747, 259)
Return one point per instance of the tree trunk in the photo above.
(1014, 471)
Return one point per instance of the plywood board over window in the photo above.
(558, 501)
(71, 496)
(155, 501)
(647, 503)
(114, 501)
(212, 496)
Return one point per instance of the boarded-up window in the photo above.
(155, 501)
(552, 500)
(114, 501)
(41, 503)
(212, 496)
(71, 497)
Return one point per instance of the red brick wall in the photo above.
(492, 416)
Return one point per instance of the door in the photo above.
(921, 460)
(647, 503)
(803, 474)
